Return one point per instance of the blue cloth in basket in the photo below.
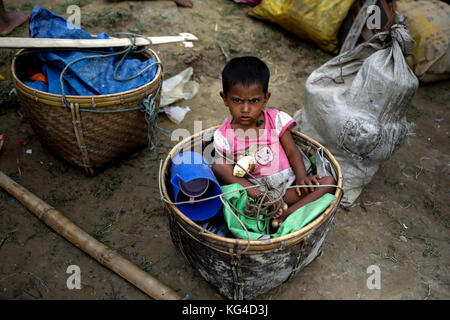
(87, 77)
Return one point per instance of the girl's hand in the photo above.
(308, 180)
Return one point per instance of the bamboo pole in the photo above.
(34, 43)
(104, 255)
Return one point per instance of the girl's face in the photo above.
(245, 103)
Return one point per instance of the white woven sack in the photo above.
(355, 105)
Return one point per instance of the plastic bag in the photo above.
(355, 105)
(179, 87)
(429, 25)
(323, 166)
(318, 21)
(176, 113)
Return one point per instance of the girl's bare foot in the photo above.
(280, 216)
(13, 20)
(184, 3)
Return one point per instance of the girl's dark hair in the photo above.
(246, 71)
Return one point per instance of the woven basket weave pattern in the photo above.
(86, 139)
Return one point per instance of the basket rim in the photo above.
(86, 99)
(243, 242)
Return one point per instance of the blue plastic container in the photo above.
(192, 179)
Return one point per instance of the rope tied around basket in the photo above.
(148, 105)
(259, 209)
(132, 48)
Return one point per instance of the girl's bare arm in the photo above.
(293, 155)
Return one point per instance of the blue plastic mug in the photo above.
(192, 179)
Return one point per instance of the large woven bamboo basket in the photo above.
(242, 269)
(88, 140)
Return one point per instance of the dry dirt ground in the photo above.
(399, 223)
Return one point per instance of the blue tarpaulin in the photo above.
(94, 76)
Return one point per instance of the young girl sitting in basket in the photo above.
(261, 139)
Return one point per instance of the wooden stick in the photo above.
(104, 255)
(33, 43)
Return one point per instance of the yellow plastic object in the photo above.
(2, 77)
(317, 21)
(244, 164)
(429, 25)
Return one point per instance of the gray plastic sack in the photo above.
(355, 105)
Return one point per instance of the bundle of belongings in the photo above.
(427, 22)
(327, 22)
(88, 72)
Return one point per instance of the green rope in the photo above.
(130, 49)
(253, 209)
(150, 107)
